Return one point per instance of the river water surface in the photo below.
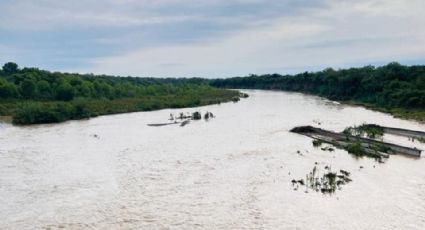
(232, 172)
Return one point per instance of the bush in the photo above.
(317, 142)
(39, 113)
(355, 148)
(370, 131)
(81, 109)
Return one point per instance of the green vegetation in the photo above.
(327, 182)
(317, 142)
(35, 96)
(355, 148)
(243, 95)
(392, 88)
(380, 148)
(370, 131)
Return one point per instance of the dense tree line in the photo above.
(389, 86)
(38, 96)
(35, 84)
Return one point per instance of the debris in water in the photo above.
(345, 173)
(301, 182)
(184, 118)
(196, 116)
(185, 123)
(327, 148)
(317, 122)
(208, 115)
(243, 95)
(358, 145)
(162, 124)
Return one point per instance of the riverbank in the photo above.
(34, 96)
(24, 112)
(413, 114)
(402, 113)
(393, 88)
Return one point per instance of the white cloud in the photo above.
(212, 38)
(234, 52)
(345, 32)
(32, 15)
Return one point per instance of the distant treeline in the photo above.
(32, 96)
(388, 87)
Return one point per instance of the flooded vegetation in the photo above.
(116, 172)
(352, 140)
(326, 181)
(356, 140)
(370, 131)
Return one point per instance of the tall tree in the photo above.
(10, 68)
(28, 89)
(64, 92)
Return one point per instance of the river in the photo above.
(232, 172)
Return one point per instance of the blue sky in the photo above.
(215, 38)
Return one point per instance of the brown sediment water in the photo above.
(233, 172)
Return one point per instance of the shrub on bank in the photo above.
(37, 112)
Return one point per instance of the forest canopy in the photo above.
(32, 95)
(389, 86)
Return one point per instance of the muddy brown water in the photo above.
(232, 172)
